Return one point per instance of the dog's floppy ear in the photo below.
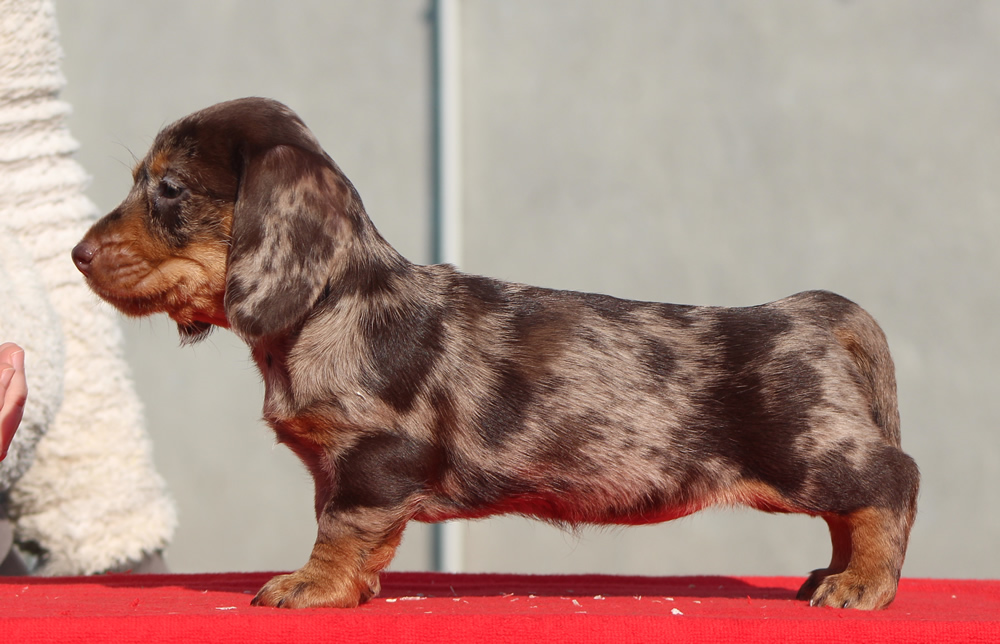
(289, 222)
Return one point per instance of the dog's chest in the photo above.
(313, 401)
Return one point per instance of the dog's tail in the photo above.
(865, 341)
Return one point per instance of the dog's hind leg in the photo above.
(873, 541)
(869, 545)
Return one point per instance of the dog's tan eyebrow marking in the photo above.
(158, 165)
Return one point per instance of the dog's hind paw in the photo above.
(848, 590)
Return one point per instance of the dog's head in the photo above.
(237, 218)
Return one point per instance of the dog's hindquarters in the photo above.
(870, 525)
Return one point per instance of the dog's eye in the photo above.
(169, 190)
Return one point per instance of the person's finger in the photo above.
(6, 349)
(14, 386)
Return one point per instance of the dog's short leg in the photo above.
(876, 538)
(869, 542)
(342, 571)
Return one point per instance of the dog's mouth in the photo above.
(189, 291)
(130, 304)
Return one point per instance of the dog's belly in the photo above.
(546, 512)
(612, 500)
(570, 507)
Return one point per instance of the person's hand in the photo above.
(13, 393)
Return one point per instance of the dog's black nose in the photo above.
(83, 255)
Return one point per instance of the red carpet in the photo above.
(428, 607)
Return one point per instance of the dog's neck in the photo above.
(367, 275)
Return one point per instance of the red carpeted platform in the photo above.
(427, 607)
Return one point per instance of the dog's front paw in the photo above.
(305, 589)
(848, 590)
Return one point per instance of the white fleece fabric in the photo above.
(91, 499)
(27, 317)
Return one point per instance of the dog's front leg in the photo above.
(352, 547)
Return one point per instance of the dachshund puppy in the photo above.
(422, 393)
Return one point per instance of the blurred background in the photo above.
(707, 152)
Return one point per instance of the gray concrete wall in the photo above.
(701, 152)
